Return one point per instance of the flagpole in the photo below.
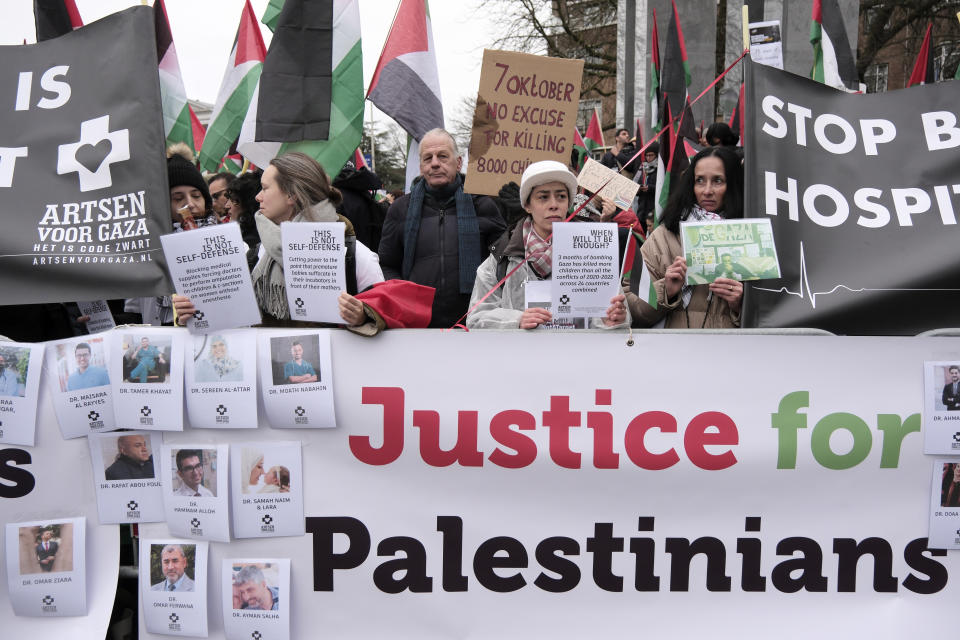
(373, 143)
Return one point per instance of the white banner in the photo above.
(685, 473)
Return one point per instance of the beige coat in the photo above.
(704, 311)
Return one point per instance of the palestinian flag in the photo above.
(322, 113)
(405, 84)
(675, 77)
(271, 14)
(655, 97)
(232, 162)
(359, 160)
(640, 281)
(236, 90)
(177, 126)
(923, 67)
(198, 129)
(594, 137)
(674, 158)
(580, 148)
(55, 18)
(833, 63)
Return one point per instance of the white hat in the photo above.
(543, 172)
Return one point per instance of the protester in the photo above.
(241, 206)
(437, 235)
(646, 177)
(619, 155)
(710, 189)
(545, 190)
(356, 185)
(219, 186)
(190, 208)
(719, 134)
(295, 188)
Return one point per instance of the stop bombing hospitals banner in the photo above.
(83, 196)
(863, 192)
(574, 509)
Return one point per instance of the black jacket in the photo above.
(359, 206)
(437, 256)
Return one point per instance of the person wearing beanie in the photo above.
(190, 203)
(546, 190)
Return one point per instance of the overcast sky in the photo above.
(203, 31)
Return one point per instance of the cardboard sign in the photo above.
(20, 366)
(195, 487)
(256, 598)
(267, 481)
(297, 379)
(220, 378)
(127, 482)
(740, 249)
(526, 111)
(607, 183)
(209, 266)
(146, 374)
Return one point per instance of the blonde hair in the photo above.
(302, 178)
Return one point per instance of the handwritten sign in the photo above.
(526, 111)
(607, 183)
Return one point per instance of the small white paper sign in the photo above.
(146, 373)
(46, 567)
(221, 380)
(20, 366)
(586, 268)
(537, 294)
(127, 482)
(296, 378)
(766, 45)
(195, 490)
(314, 255)
(78, 380)
(941, 407)
(945, 504)
(267, 488)
(173, 587)
(256, 598)
(209, 266)
(100, 317)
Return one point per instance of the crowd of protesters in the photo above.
(428, 257)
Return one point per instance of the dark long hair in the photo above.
(683, 199)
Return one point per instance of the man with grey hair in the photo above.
(254, 592)
(437, 235)
(173, 564)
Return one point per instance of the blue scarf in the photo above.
(468, 232)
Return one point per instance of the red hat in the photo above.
(402, 304)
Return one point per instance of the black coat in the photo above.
(437, 255)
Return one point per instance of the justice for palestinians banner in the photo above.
(83, 196)
(863, 194)
(788, 494)
(526, 111)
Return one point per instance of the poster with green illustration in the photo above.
(736, 249)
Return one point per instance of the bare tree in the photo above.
(883, 23)
(563, 29)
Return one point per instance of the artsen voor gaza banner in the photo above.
(863, 193)
(606, 489)
(83, 195)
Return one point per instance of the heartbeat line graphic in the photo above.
(805, 286)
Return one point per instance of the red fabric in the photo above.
(402, 304)
(593, 129)
(249, 41)
(922, 68)
(626, 218)
(198, 129)
(408, 34)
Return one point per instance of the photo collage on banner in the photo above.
(46, 567)
(76, 371)
(296, 378)
(173, 586)
(20, 366)
(125, 475)
(256, 598)
(146, 371)
(267, 489)
(220, 377)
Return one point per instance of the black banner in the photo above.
(83, 181)
(863, 192)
